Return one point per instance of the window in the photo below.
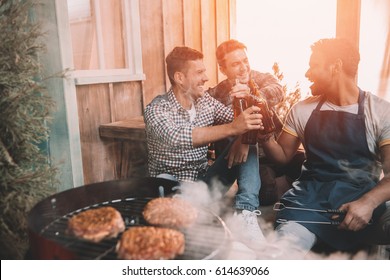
(105, 38)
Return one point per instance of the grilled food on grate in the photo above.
(170, 212)
(150, 243)
(96, 224)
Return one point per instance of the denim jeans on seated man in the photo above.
(246, 174)
(243, 222)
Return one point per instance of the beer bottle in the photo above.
(268, 123)
(249, 137)
(239, 105)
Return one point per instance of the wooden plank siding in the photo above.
(199, 24)
(209, 39)
(164, 24)
(173, 29)
(348, 20)
(223, 26)
(105, 103)
(192, 24)
(93, 109)
(152, 41)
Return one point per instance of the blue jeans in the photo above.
(247, 176)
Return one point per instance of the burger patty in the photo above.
(150, 243)
(96, 224)
(170, 212)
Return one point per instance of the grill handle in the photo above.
(335, 211)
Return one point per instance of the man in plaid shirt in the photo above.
(234, 64)
(181, 123)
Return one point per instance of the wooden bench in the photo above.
(130, 129)
(129, 137)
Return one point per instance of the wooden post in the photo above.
(348, 20)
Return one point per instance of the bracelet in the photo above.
(266, 138)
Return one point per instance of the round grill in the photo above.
(48, 221)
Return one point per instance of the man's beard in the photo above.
(317, 89)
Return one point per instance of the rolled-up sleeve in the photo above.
(270, 88)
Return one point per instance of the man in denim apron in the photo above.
(346, 135)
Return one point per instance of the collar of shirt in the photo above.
(199, 102)
(172, 99)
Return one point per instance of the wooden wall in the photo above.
(348, 20)
(100, 104)
(200, 24)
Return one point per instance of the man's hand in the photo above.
(358, 214)
(239, 90)
(247, 120)
(238, 153)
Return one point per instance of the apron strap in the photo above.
(319, 105)
(360, 104)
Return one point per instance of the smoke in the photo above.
(200, 195)
(277, 248)
(273, 246)
(356, 174)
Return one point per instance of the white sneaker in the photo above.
(247, 229)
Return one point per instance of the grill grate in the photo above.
(204, 240)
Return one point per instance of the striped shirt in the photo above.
(169, 134)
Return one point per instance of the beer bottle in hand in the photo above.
(249, 137)
(239, 105)
(268, 123)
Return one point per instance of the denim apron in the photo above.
(339, 168)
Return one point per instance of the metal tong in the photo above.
(333, 223)
(280, 207)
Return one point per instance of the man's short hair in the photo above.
(339, 48)
(177, 60)
(227, 47)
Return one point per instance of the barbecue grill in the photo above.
(209, 238)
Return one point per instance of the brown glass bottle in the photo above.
(268, 123)
(239, 105)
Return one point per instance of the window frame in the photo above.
(132, 47)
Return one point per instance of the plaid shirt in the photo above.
(169, 134)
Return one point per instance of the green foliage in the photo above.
(291, 96)
(25, 173)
